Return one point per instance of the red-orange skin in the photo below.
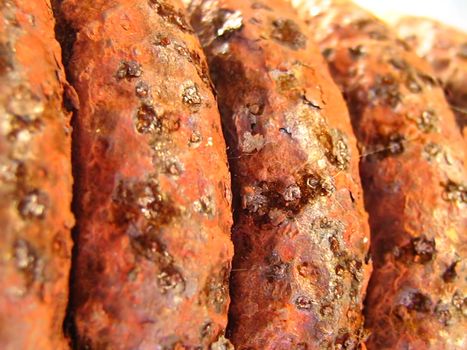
(445, 48)
(153, 188)
(35, 180)
(414, 180)
(300, 267)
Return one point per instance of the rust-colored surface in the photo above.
(414, 180)
(153, 187)
(300, 230)
(445, 48)
(35, 180)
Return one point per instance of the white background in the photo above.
(453, 12)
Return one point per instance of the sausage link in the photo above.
(35, 180)
(445, 48)
(153, 191)
(414, 179)
(300, 231)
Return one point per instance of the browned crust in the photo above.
(414, 179)
(445, 48)
(300, 232)
(153, 201)
(35, 180)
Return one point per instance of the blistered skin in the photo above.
(414, 180)
(35, 180)
(154, 218)
(300, 231)
(445, 48)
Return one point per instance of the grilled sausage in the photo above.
(300, 230)
(153, 191)
(445, 48)
(35, 180)
(414, 179)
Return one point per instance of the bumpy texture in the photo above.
(35, 180)
(414, 178)
(301, 234)
(153, 189)
(445, 48)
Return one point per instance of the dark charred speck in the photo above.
(423, 248)
(142, 89)
(411, 82)
(403, 44)
(217, 288)
(327, 52)
(133, 200)
(395, 144)
(206, 330)
(191, 95)
(170, 279)
(377, 35)
(129, 70)
(27, 260)
(450, 274)
(432, 150)
(357, 51)
(260, 6)
(443, 314)
(162, 41)
(454, 192)
(338, 151)
(303, 303)
(147, 120)
(427, 79)
(288, 33)
(398, 63)
(419, 302)
(459, 301)
(428, 121)
(195, 138)
(277, 269)
(385, 89)
(34, 205)
(319, 186)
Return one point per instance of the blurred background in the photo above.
(453, 12)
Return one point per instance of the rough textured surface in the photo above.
(414, 179)
(154, 249)
(35, 180)
(300, 232)
(445, 48)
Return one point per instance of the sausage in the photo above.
(300, 231)
(414, 179)
(153, 191)
(35, 179)
(445, 48)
